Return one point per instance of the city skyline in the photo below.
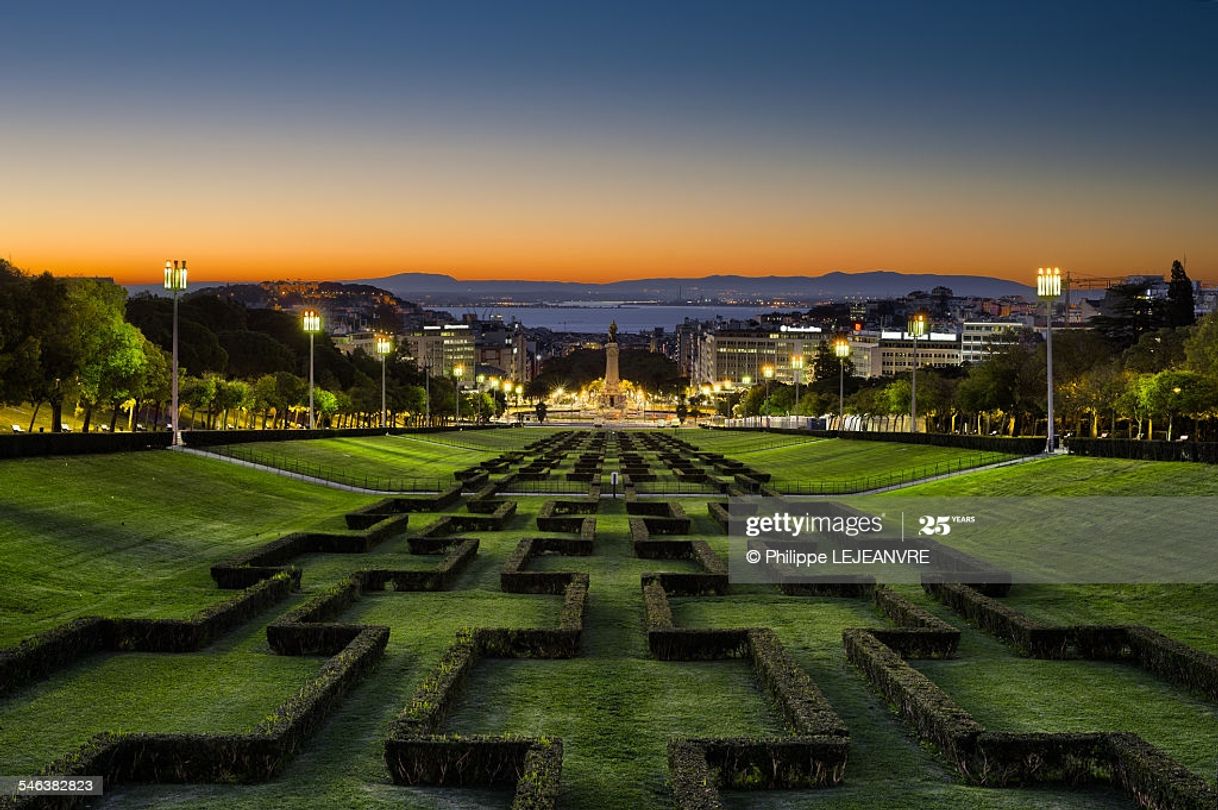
(545, 142)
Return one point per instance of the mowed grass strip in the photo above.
(134, 534)
(888, 767)
(1185, 612)
(229, 687)
(375, 458)
(869, 463)
(1080, 476)
(1007, 692)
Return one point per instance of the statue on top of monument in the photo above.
(613, 331)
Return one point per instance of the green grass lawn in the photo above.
(229, 687)
(134, 534)
(865, 463)
(1080, 476)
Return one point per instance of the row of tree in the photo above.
(79, 343)
(1143, 390)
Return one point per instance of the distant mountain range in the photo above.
(438, 288)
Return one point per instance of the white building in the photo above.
(980, 339)
(742, 356)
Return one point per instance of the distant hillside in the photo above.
(439, 288)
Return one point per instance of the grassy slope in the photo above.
(1185, 612)
(428, 458)
(134, 534)
(226, 688)
(843, 460)
(614, 707)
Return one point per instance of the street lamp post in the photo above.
(1048, 289)
(797, 365)
(841, 349)
(175, 282)
(458, 372)
(916, 328)
(384, 345)
(427, 383)
(312, 325)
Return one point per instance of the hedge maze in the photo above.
(538, 532)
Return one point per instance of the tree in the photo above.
(1128, 312)
(1181, 310)
(1177, 393)
(230, 395)
(1201, 347)
(197, 393)
(112, 372)
(540, 410)
(827, 366)
(1157, 351)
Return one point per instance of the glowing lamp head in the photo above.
(746, 380)
(458, 371)
(311, 319)
(768, 372)
(917, 324)
(797, 361)
(1048, 283)
(519, 389)
(384, 345)
(175, 275)
(841, 348)
(507, 386)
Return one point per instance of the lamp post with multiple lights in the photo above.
(841, 350)
(458, 373)
(175, 282)
(1048, 290)
(311, 319)
(916, 327)
(384, 346)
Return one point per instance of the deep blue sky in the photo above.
(785, 137)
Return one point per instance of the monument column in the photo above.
(611, 395)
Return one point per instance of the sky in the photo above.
(605, 140)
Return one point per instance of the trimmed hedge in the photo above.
(922, 634)
(934, 716)
(1154, 779)
(225, 758)
(803, 705)
(533, 765)
(1201, 452)
(24, 445)
(657, 613)
(41, 654)
(1024, 634)
(270, 558)
(859, 586)
(694, 785)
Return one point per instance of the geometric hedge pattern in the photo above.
(568, 468)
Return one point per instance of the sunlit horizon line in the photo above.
(153, 278)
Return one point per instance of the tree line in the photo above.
(1140, 372)
(81, 344)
